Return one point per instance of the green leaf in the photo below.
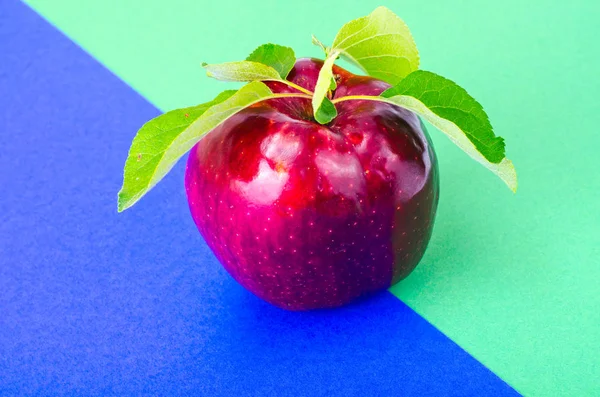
(449, 101)
(324, 111)
(380, 44)
(267, 62)
(454, 112)
(280, 58)
(241, 71)
(160, 142)
(332, 84)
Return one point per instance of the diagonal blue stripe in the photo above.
(93, 302)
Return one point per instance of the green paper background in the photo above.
(513, 279)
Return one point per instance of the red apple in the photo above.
(312, 216)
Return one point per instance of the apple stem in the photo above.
(290, 96)
(358, 98)
(296, 86)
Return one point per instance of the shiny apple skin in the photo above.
(310, 216)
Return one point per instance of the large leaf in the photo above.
(380, 44)
(324, 111)
(278, 57)
(454, 112)
(241, 71)
(449, 101)
(163, 140)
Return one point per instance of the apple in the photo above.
(311, 216)
(314, 208)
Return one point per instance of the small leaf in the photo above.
(454, 112)
(241, 71)
(280, 58)
(332, 85)
(380, 44)
(160, 142)
(324, 111)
